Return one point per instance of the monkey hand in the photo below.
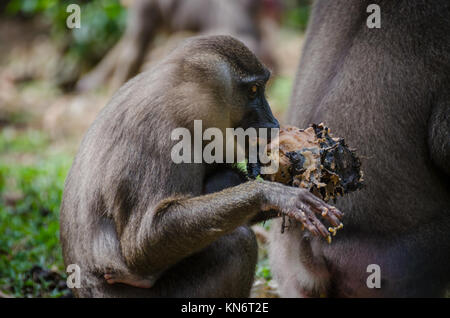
(303, 206)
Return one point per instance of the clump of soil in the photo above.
(313, 159)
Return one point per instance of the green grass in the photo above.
(13, 141)
(30, 195)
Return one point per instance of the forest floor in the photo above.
(41, 126)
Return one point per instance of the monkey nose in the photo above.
(269, 125)
(275, 123)
(271, 135)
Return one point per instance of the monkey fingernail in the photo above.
(333, 230)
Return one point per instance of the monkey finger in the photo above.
(301, 217)
(336, 212)
(327, 214)
(324, 208)
(322, 229)
(332, 219)
(313, 219)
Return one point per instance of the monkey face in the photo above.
(253, 110)
(256, 109)
(233, 79)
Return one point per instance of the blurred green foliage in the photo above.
(279, 93)
(30, 195)
(263, 269)
(29, 140)
(102, 23)
(297, 13)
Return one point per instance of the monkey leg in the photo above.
(219, 181)
(225, 268)
(296, 267)
(411, 265)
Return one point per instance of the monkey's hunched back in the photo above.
(386, 91)
(107, 177)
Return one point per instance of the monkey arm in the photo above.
(230, 177)
(264, 216)
(177, 228)
(439, 136)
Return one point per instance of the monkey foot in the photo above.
(134, 281)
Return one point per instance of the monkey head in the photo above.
(230, 82)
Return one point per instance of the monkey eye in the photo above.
(253, 91)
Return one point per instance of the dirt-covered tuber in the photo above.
(313, 159)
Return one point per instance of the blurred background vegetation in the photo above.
(103, 24)
(42, 120)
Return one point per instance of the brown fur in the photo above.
(386, 91)
(196, 246)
